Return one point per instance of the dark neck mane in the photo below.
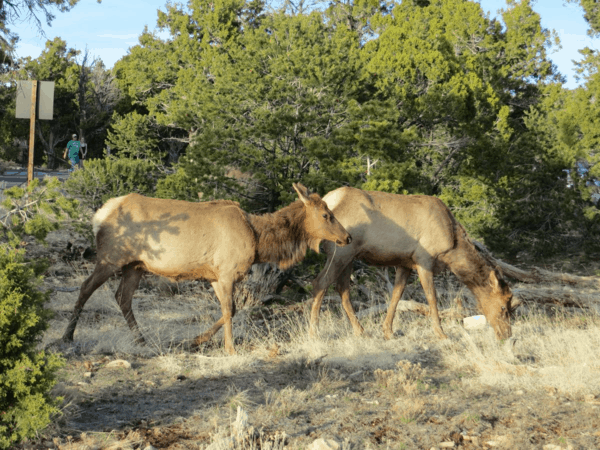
(281, 237)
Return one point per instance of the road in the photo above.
(16, 177)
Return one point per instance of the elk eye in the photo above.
(326, 216)
(503, 308)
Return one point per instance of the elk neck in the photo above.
(281, 237)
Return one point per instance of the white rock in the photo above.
(119, 363)
(324, 444)
(474, 322)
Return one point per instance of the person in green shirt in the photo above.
(72, 150)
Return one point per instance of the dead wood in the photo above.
(535, 274)
(557, 295)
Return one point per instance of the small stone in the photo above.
(447, 445)
(87, 374)
(119, 363)
(150, 447)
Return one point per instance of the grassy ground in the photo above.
(540, 390)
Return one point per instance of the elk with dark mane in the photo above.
(408, 232)
(215, 241)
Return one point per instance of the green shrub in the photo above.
(35, 210)
(26, 374)
(179, 186)
(102, 179)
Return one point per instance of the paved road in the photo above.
(17, 177)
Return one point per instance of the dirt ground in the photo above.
(539, 390)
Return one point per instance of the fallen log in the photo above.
(535, 274)
(557, 295)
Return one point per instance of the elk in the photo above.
(215, 241)
(408, 232)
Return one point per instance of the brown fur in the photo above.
(216, 241)
(410, 232)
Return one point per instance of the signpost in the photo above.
(34, 99)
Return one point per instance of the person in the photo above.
(82, 153)
(72, 151)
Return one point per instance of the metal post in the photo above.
(32, 130)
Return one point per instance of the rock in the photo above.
(119, 364)
(324, 444)
(150, 447)
(474, 322)
(447, 444)
(87, 374)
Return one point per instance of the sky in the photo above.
(110, 28)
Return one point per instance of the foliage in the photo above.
(26, 374)
(132, 136)
(14, 11)
(429, 97)
(102, 179)
(591, 15)
(35, 210)
(84, 98)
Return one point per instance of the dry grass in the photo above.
(557, 353)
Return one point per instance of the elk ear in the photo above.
(494, 282)
(302, 192)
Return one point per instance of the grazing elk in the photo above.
(216, 241)
(408, 232)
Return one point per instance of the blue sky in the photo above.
(108, 29)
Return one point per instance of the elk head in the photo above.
(320, 223)
(497, 307)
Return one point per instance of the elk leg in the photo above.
(101, 273)
(402, 274)
(320, 284)
(224, 292)
(426, 277)
(124, 297)
(342, 285)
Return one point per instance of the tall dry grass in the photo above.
(560, 351)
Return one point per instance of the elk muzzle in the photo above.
(341, 243)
